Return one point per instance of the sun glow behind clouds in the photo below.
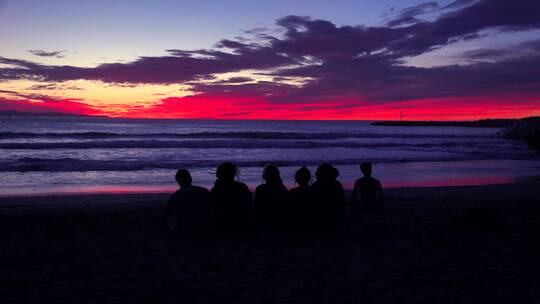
(109, 98)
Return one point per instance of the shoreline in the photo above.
(428, 192)
(392, 175)
(482, 123)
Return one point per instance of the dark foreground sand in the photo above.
(113, 249)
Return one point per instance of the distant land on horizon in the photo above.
(527, 129)
(481, 123)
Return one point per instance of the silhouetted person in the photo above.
(232, 199)
(328, 198)
(271, 200)
(188, 209)
(301, 215)
(367, 194)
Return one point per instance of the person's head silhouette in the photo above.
(183, 178)
(326, 172)
(226, 171)
(303, 176)
(366, 169)
(271, 174)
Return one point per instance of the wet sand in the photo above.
(114, 248)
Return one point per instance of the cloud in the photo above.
(42, 53)
(237, 80)
(466, 23)
(408, 15)
(42, 103)
(53, 86)
(458, 4)
(521, 50)
(181, 66)
(376, 70)
(37, 97)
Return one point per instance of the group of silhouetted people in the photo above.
(320, 206)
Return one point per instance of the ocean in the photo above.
(42, 156)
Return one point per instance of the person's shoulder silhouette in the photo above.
(367, 192)
(329, 197)
(300, 201)
(231, 199)
(270, 198)
(187, 209)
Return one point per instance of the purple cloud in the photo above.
(467, 22)
(237, 80)
(181, 66)
(42, 53)
(408, 15)
(458, 4)
(53, 86)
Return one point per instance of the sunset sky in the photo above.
(440, 60)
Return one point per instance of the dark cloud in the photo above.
(260, 88)
(342, 62)
(485, 54)
(41, 97)
(31, 102)
(51, 104)
(237, 80)
(466, 23)
(380, 76)
(42, 53)
(525, 50)
(516, 76)
(48, 86)
(181, 66)
(53, 86)
(325, 41)
(458, 4)
(380, 81)
(408, 15)
(8, 92)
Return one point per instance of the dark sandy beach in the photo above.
(114, 249)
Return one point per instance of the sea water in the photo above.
(96, 155)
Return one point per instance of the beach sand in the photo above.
(115, 249)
